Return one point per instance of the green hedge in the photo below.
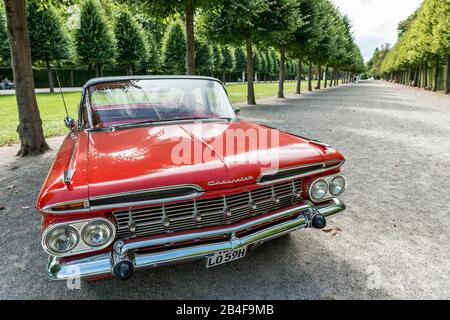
(81, 76)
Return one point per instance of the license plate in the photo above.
(222, 257)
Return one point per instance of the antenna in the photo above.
(62, 94)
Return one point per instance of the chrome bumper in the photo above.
(101, 265)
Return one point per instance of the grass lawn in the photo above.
(52, 110)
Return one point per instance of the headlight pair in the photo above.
(327, 187)
(78, 236)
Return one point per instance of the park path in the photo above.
(394, 241)
(41, 90)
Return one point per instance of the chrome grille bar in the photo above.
(195, 214)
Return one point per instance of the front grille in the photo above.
(194, 214)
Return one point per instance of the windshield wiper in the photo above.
(131, 124)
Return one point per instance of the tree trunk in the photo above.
(416, 77)
(190, 40)
(72, 82)
(446, 76)
(326, 77)
(250, 89)
(224, 77)
(419, 77)
(310, 74)
(97, 70)
(130, 69)
(319, 71)
(436, 76)
(50, 75)
(30, 131)
(299, 76)
(425, 78)
(282, 73)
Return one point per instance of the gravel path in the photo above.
(394, 242)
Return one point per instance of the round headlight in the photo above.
(96, 233)
(62, 240)
(319, 190)
(337, 186)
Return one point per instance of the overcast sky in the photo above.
(375, 21)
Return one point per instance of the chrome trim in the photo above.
(48, 209)
(275, 171)
(308, 139)
(328, 195)
(214, 211)
(70, 171)
(87, 207)
(113, 195)
(99, 80)
(214, 233)
(89, 109)
(101, 265)
(200, 192)
(345, 185)
(81, 246)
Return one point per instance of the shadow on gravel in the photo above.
(281, 269)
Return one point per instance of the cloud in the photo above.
(375, 21)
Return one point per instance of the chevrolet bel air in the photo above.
(159, 170)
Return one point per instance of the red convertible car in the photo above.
(159, 170)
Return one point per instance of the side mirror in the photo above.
(237, 110)
(70, 123)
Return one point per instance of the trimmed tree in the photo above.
(239, 22)
(30, 131)
(270, 64)
(217, 59)
(152, 62)
(228, 61)
(264, 64)
(240, 60)
(4, 45)
(131, 47)
(304, 36)
(173, 50)
(276, 63)
(48, 39)
(164, 9)
(282, 17)
(257, 64)
(95, 42)
(203, 56)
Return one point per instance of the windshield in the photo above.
(153, 100)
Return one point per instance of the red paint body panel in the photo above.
(54, 190)
(141, 158)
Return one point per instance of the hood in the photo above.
(211, 155)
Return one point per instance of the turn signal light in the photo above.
(70, 206)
